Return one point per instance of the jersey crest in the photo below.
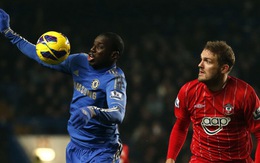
(228, 109)
(95, 84)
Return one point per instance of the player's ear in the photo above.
(225, 68)
(115, 55)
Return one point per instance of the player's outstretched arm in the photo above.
(26, 47)
(4, 21)
(22, 44)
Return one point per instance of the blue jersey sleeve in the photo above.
(29, 49)
(116, 101)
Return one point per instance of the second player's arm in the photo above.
(116, 100)
(177, 138)
(29, 49)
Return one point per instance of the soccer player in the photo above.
(223, 109)
(99, 97)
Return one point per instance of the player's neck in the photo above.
(218, 84)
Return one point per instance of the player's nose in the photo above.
(200, 65)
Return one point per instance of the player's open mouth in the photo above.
(90, 56)
(201, 72)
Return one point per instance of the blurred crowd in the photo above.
(163, 45)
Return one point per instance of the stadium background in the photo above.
(163, 43)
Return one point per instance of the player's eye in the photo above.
(100, 46)
(97, 47)
(207, 60)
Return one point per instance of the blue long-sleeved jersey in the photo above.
(105, 89)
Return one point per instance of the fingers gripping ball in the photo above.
(53, 47)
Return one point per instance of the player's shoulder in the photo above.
(239, 83)
(78, 58)
(78, 55)
(234, 79)
(191, 87)
(192, 84)
(116, 72)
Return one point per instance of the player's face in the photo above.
(100, 55)
(209, 69)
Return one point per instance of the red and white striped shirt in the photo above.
(222, 121)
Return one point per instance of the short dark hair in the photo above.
(223, 51)
(116, 40)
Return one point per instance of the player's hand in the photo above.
(4, 21)
(81, 117)
(170, 160)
